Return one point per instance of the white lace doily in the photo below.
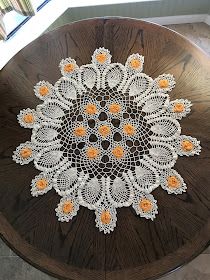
(105, 136)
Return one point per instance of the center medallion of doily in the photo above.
(104, 133)
(105, 136)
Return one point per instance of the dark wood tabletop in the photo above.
(138, 248)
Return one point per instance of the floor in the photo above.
(14, 268)
(198, 33)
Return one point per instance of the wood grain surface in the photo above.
(137, 249)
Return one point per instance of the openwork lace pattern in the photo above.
(105, 136)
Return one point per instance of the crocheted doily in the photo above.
(105, 136)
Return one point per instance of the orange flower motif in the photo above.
(28, 118)
(135, 63)
(92, 153)
(173, 182)
(178, 107)
(90, 109)
(105, 217)
(104, 130)
(129, 129)
(41, 184)
(118, 152)
(68, 207)
(163, 83)
(101, 57)
(145, 204)
(43, 90)
(69, 67)
(25, 152)
(187, 145)
(114, 108)
(80, 131)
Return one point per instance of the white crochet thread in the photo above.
(28, 118)
(44, 90)
(148, 212)
(179, 115)
(178, 187)
(71, 205)
(105, 136)
(178, 146)
(41, 184)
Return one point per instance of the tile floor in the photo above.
(14, 268)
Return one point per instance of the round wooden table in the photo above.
(137, 249)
